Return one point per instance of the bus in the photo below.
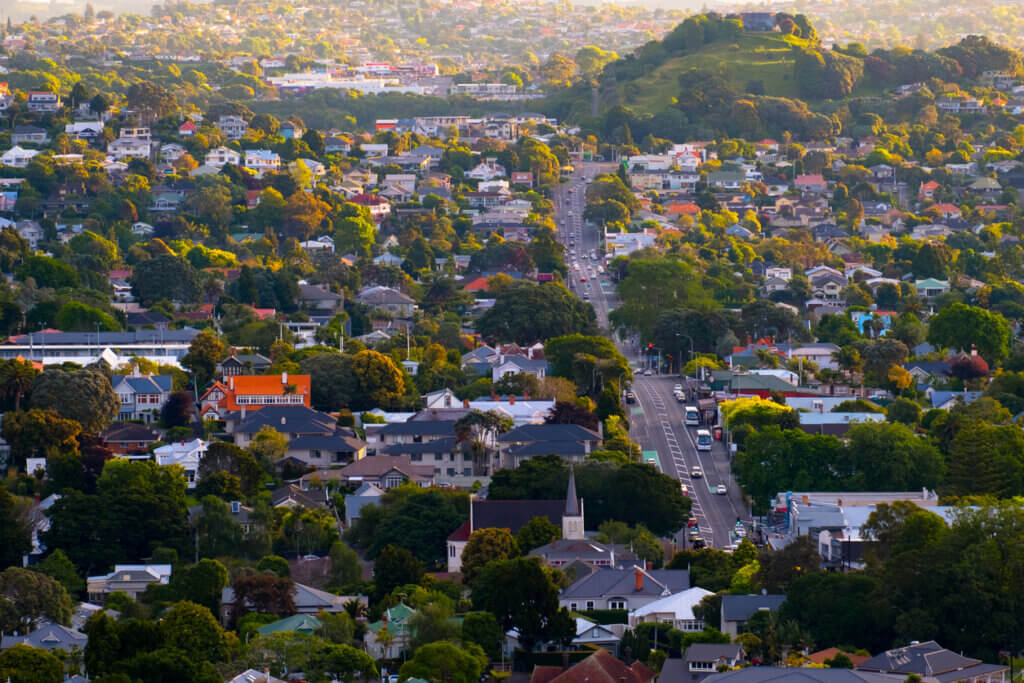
(703, 440)
(691, 416)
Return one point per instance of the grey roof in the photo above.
(443, 445)
(378, 465)
(318, 293)
(773, 674)
(306, 598)
(618, 582)
(310, 498)
(549, 432)
(186, 334)
(523, 362)
(513, 514)
(48, 636)
(147, 384)
(740, 607)
(294, 419)
(383, 296)
(535, 448)
(257, 360)
(425, 427)
(928, 659)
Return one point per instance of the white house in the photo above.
(233, 127)
(32, 232)
(220, 156)
(184, 453)
(513, 365)
(676, 610)
(84, 130)
(262, 160)
(172, 151)
(17, 156)
(488, 169)
(127, 148)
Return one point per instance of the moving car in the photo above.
(691, 416)
(698, 542)
(685, 489)
(630, 397)
(721, 490)
(703, 440)
(696, 472)
(691, 522)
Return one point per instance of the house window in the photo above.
(416, 457)
(392, 481)
(572, 606)
(617, 603)
(590, 604)
(451, 551)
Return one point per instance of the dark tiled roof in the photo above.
(375, 466)
(611, 582)
(513, 514)
(425, 428)
(549, 432)
(925, 659)
(295, 419)
(106, 338)
(341, 443)
(535, 448)
(309, 499)
(129, 432)
(710, 652)
(740, 607)
(772, 674)
(443, 445)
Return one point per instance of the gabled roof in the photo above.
(300, 623)
(549, 432)
(294, 419)
(602, 667)
(514, 514)
(710, 652)
(419, 428)
(924, 659)
(680, 604)
(619, 582)
(48, 636)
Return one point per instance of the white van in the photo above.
(703, 440)
(691, 417)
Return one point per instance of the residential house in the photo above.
(929, 288)
(384, 472)
(625, 589)
(253, 392)
(387, 299)
(233, 127)
(513, 515)
(702, 660)
(165, 347)
(726, 180)
(565, 552)
(128, 148)
(254, 676)
(293, 496)
(129, 438)
(219, 156)
(290, 130)
(379, 207)
(319, 300)
(600, 666)
(185, 454)
(18, 157)
(172, 151)
(297, 623)
(488, 169)
(366, 494)
(675, 609)
(48, 636)
(262, 160)
(308, 600)
(811, 183)
(132, 579)
(524, 178)
(32, 232)
(516, 364)
(32, 135)
(43, 102)
(243, 364)
(569, 441)
(293, 421)
(930, 661)
(187, 129)
(394, 622)
(819, 353)
(142, 397)
(737, 610)
(783, 674)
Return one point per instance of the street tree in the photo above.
(486, 546)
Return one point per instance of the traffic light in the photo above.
(650, 346)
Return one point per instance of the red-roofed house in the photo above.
(252, 199)
(522, 178)
(600, 667)
(187, 129)
(811, 183)
(927, 190)
(677, 209)
(477, 285)
(946, 210)
(256, 391)
(380, 208)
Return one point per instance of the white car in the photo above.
(721, 490)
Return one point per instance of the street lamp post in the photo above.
(688, 337)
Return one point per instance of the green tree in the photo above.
(482, 628)
(346, 568)
(219, 533)
(535, 533)
(58, 567)
(202, 583)
(84, 396)
(380, 382)
(486, 546)
(26, 664)
(15, 529)
(27, 597)
(165, 277)
(959, 326)
(275, 564)
(396, 567)
(39, 433)
(192, 628)
(445, 661)
(204, 352)
(521, 595)
(525, 312)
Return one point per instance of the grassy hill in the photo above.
(764, 57)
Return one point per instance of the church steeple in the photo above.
(572, 518)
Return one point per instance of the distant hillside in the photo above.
(754, 62)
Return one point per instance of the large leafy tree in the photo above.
(395, 567)
(525, 312)
(27, 597)
(26, 664)
(446, 661)
(192, 628)
(84, 396)
(959, 326)
(165, 277)
(205, 351)
(380, 382)
(652, 286)
(521, 595)
(15, 529)
(39, 433)
(486, 546)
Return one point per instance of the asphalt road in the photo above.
(657, 418)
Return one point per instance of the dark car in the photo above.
(630, 397)
(698, 542)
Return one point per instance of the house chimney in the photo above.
(512, 400)
(494, 396)
(243, 412)
(639, 580)
(805, 500)
(465, 403)
(839, 503)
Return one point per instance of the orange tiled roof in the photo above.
(264, 385)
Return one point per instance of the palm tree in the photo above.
(478, 430)
(16, 377)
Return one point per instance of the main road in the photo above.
(656, 419)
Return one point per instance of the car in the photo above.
(571, 190)
(740, 532)
(586, 297)
(680, 397)
(630, 397)
(691, 522)
(677, 387)
(698, 542)
(583, 278)
(696, 472)
(648, 372)
(685, 489)
(721, 490)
